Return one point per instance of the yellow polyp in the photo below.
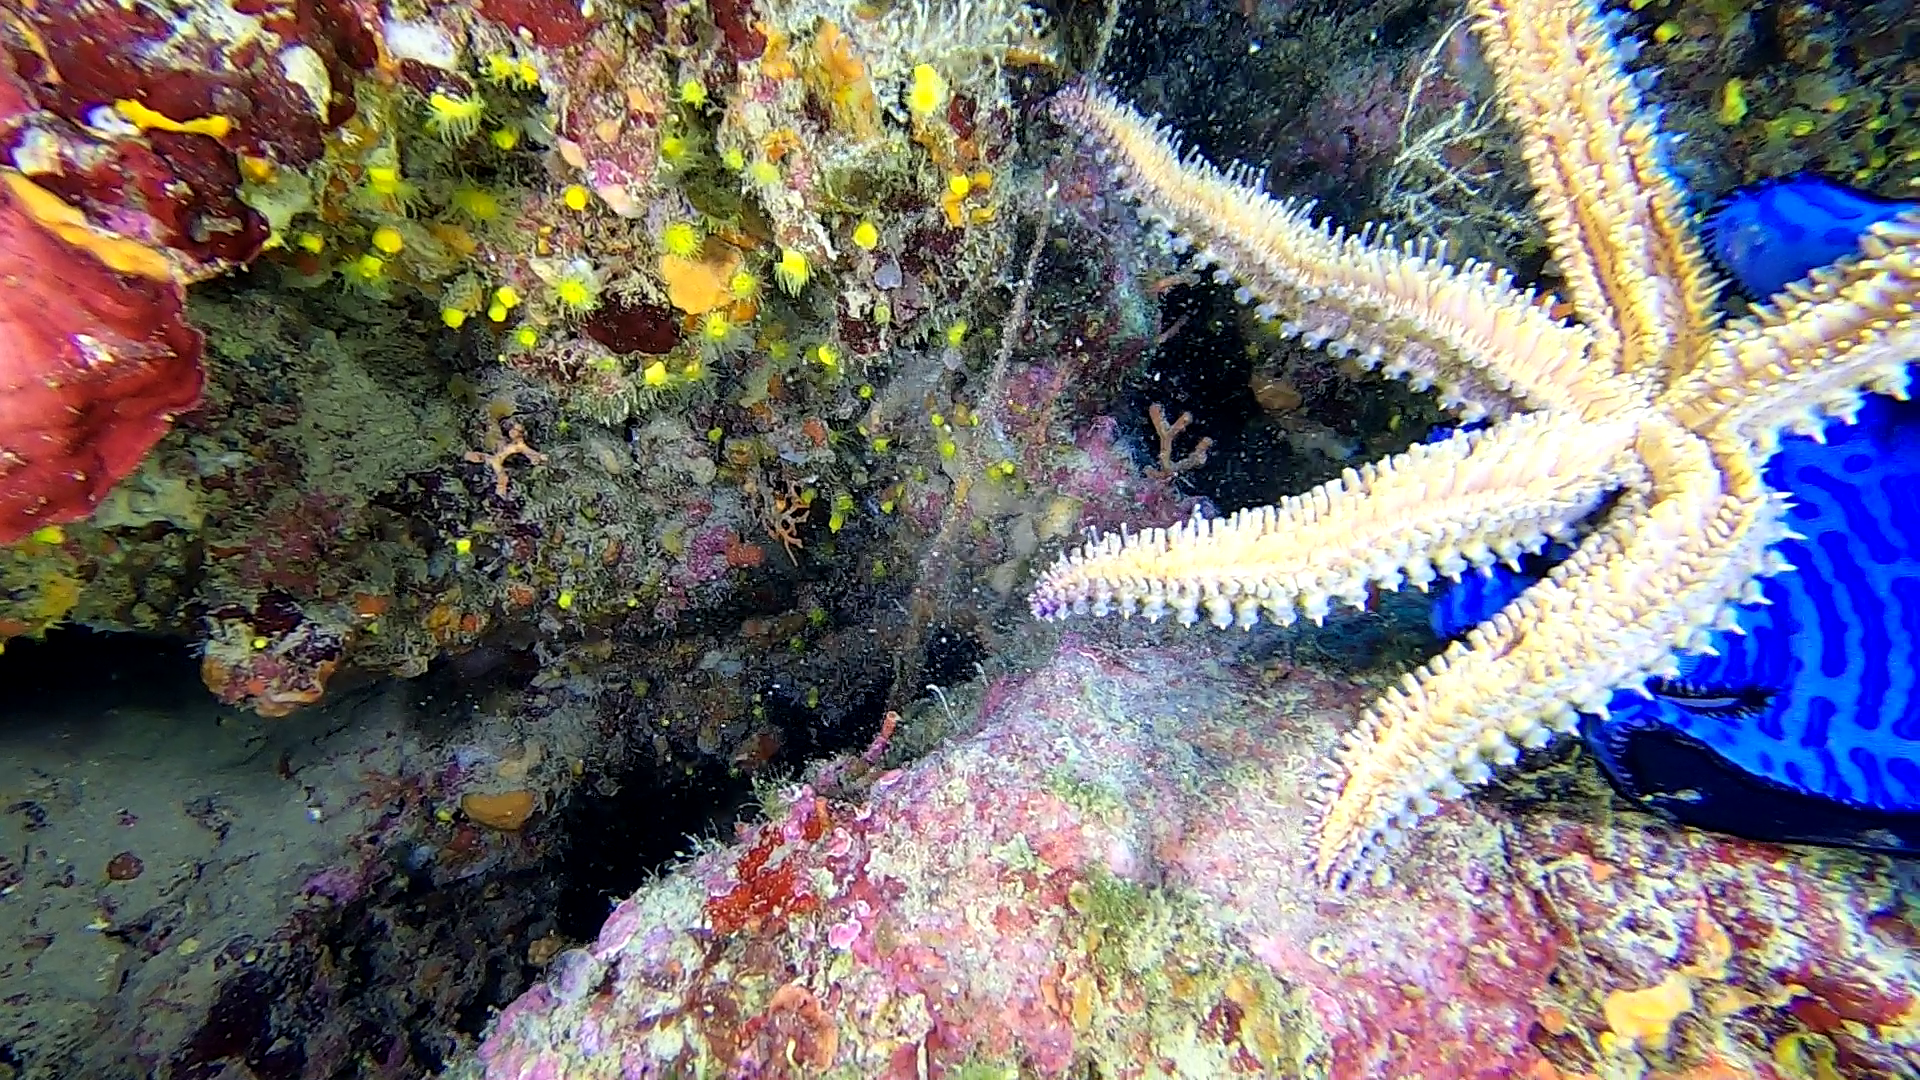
(655, 374)
(574, 294)
(384, 180)
(1666, 32)
(681, 238)
(49, 534)
(137, 114)
(475, 204)
(453, 317)
(957, 332)
(866, 236)
(715, 327)
(693, 93)
(743, 285)
(981, 215)
(525, 337)
(792, 271)
(576, 197)
(958, 185)
(564, 600)
(1733, 102)
(673, 148)
(387, 240)
(505, 138)
(982, 179)
(260, 643)
(453, 117)
(763, 174)
(507, 297)
(927, 93)
(499, 67)
(258, 170)
(527, 74)
(310, 242)
(367, 269)
(828, 357)
(115, 252)
(497, 311)
(463, 546)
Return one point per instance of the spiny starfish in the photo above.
(1646, 410)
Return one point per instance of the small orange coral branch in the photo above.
(512, 444)
(1167, 433)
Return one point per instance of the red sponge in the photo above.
(94, 363)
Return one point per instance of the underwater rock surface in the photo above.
(1111, 875)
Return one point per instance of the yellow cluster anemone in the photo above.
(384, 190)
(505, 299)
(575, 286)
(744, 287)
(682, 239)
(719, 333)
(928, 92)
(459, 299)
(510, 70)
(368, 271)
(792, 271)
(965, 199)
(454, 117)
(474, 203)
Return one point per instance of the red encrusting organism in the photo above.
(94, 362)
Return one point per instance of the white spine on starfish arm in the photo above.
(1650, 401)
(1396, 306)
(1653, 580)
(1805, 356)
(1437, 510)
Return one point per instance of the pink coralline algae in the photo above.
(1110, 876)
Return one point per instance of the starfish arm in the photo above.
(1488, 346)
(1658, 576)
(1616, 217)
(1439, 508)
(1814, 347)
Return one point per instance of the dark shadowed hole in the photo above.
(74, 669)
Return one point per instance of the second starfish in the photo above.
(1647, 406)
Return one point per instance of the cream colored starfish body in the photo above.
(1647, 410)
